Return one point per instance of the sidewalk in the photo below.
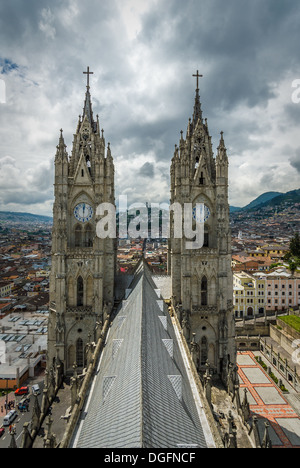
(3, 412)
(11, 396)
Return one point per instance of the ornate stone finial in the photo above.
(266, 443)
(75, 370)
(13, 443)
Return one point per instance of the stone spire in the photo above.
(267, 443)
(222, 152)
(222, 162)
(61, 152)
(87, 108)
(13, 443)
(197, 110)
(197, 106)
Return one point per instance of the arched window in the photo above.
(79, 353)
(204, 291)
(80, 292)
(203, 351)
(78, 236)
(206, 237)
(88, 238)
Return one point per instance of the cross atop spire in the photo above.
(88, 73)
(198, 76)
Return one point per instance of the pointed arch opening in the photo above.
(206, 236)
(204, 290)
(202, 179)
(195, 291)
(88, 236)
(78, 235)
(80, 291)
(89, 291)
(79, 353)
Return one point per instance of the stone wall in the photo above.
(284, 336)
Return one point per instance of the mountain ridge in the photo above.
(271, 199)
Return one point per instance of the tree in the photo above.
(295, 245)
(292, 267)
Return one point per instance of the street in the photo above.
(21, 419)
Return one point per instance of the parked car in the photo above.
(36, 389)
(22, 391)
(9, 418)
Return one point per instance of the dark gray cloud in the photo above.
(143, 87)
(295, 161)
(147, 170)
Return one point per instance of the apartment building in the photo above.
(282, 290)
(249, 295)
(5, 289)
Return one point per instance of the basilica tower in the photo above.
(202, 289)
(83, 265)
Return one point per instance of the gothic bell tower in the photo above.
(202, 289)
(83, 265)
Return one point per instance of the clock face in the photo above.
(203, 215)
(83, 212)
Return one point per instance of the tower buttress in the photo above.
(83, 265)
(202, 288)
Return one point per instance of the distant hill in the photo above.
(23, 217)
(269, 199)
(280, 201)
(262, 199)
(234, 209)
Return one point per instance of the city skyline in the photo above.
(143, 57)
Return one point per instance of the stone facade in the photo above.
(202, 288)
(83, 265)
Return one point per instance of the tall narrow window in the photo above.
(78, 236)
(206, 237)
(204, 291)
(79, 353)
(80, 292)
(88, 240)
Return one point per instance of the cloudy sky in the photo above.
(143, 55)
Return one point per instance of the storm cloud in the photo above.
(143, 55)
